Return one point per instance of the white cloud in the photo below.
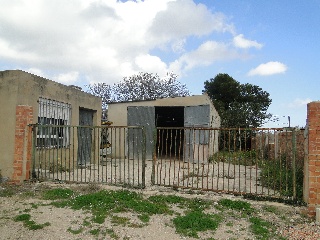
(269, 68)
(105, 40)
(205, 54)
(67, 78)
(298, 102)
(150, 63)
(240, 42)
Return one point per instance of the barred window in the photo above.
(53, 118)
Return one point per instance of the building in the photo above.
(29, 99)
(182, 113)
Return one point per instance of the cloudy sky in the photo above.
(273, 44)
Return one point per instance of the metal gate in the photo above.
(266, 162)
(115, 155)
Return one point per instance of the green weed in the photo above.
(194, 222)
(31, 225)
(57, 193)
(238, 205)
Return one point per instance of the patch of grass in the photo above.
(120, 220)
(278, 175)
(194, 222)
(260, 228)
(57, 193)
(95, 232)
(145, 218)
(31, 225)
(271, 209)
(238, 205)
(111, 233)
(246, 158)
(103, 202)
(22, 217)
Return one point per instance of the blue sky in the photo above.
(272, 44)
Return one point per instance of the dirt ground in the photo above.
(290, 221)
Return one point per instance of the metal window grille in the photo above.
(53, 119)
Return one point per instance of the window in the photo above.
(53, 119)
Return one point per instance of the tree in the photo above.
(143, 86)
(239, 105)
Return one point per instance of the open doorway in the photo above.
(170, 141)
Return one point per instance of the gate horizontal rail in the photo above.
(105, 154)
(266, 162)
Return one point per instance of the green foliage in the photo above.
(194, 222)
(239, 105)
(278, 175)
(245, 158)
(238, 205)
(31, 225)
(57, 193)
(142, 86)
(22, 217)
(103, 202)
(262, 229)
(95, 232)
(144, 218)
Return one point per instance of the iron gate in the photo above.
(267, 162)
(116, 155)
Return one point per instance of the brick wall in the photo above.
(22, 149)
(312, 173)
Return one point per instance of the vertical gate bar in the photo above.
(117, 151)
(120, 158)
(279, 153)
(258, 147)
(287, 157)
(188, 159)
(179, 159)
(123, 144)
(158, 174)
(139, 151)
(67, 140)
(144, 149)
(127, 152)
(235, 156)
(170, 154)
(213, 155)
(133, 154)
(197, 152)
(294, 149)
(174, 155)
(266, 158)
(154, 156)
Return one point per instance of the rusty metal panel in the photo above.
(258, 162)
(195, 116)
(143, 116)
(108, 161)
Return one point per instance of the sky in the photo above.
(273, 44)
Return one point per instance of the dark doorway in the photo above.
(170, 141)
(85, 136)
